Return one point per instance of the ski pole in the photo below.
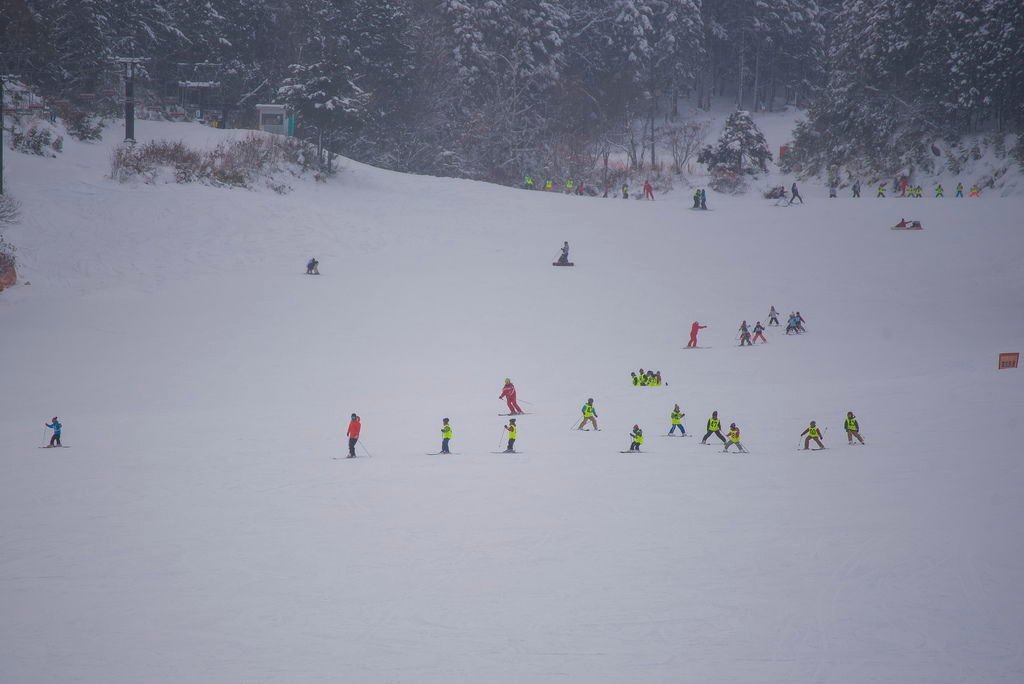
(368, 454)
(501, 437)
(574, 424)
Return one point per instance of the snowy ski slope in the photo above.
(199, 529)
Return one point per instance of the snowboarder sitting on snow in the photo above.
(508, 393)
(564, 259)
(589, 414)
(512, 434)
(677, 421)
(313, 267)
(637, 435)
(734, 438)
(55, 426)
(852, 428)
(714, 428)
(812, 432)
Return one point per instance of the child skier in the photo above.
(512, 434)
(959, 190)
(648, 190)
(694, 329)
(812, 432)
(939, 192)
(714, 428)
(446, 435)
(800, 323)
(625, 191)
(745, 335)
(759, 332)
(881, 190)
(55, 426)
(589, 414)
(354, 427)
(734, 438)
(313, 267)
(637, 435)
(677, 421)
(852, 428)
(773, 316)
(508, 393)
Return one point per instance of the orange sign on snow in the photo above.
(1009, 360)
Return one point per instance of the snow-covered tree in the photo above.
(741, 150)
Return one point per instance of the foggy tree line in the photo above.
(498, 88)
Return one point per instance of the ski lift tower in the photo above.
(131, 65)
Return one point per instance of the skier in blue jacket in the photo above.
(55, 426)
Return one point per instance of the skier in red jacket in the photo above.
(694, 329)
(354, 427)
(508, 393)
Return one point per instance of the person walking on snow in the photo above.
(313, 267)
(773, 316)
(508, 393)
(703, 199)
(648, 190)
(856, 188)
(745, 335)
(512, 430)
(354, 427)
(694, 329)
(446, 435)
(696, 198)
(637, 435)
(589, 414)
(677, 421)
(852, 428)
(795, 194)
(759, 332)
(734, 438)
(812, 432)
(625, 191)
(55, 426)
(714, 428)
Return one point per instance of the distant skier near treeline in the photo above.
(795, 194)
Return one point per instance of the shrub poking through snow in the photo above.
(238, 163)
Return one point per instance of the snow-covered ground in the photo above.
(199, 529)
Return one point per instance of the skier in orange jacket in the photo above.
(354, 427)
